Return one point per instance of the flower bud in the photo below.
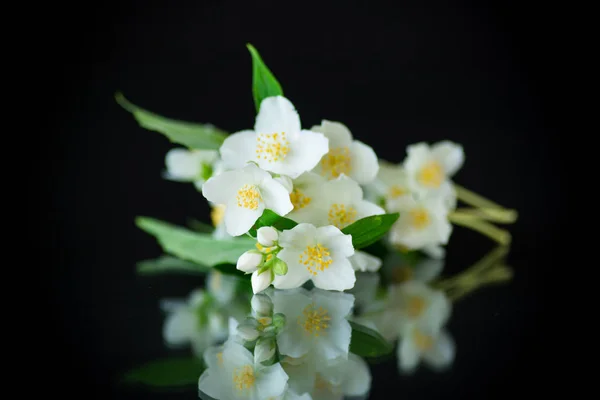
(278, 321)
(249, 261)
(280, 267)
(267, 236)
(260, 281)
(262, 304)
(264, 351)
(247, 332)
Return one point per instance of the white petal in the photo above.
(211, 356)
(296, 238)
(408, 355)
(338, 134)
(297, 273)
(260, 281)
(179, 327)
(277, 114)
(276, 197)
(271, 381)
(267, 236)
(306, 150)
(343, 190)
(236, 355)
(338, 243)
(365, 262)
(238, 148)
(291, 340)
(286, 181)
(442, 354)
(239, 220)
(210, 384)
(223, 188)
(182, 164)
(357, 379)
(434, 251)
(335, 343)
(450, 155)
(427, 270)
(364, 163)
(365, 208)
(301, 376)
(338, 304)
(339, 276)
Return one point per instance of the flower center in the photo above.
(314, 321)
(321, 384)
(402, 274)
(299, 199)
(272, 147)
(340, 216)
(397, 191)
(316, 258)
(243, 377)
(415, 306)
(220, 358)
(217, 213)
(431, 175)
(419, 218)
(337, 162)
(422, 341)
(248, 197)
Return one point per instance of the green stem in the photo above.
(474, 199)
(468, 221)
(502, 216)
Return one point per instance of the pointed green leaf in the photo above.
(189, 134)
(170, 372)
(264, 83)
(200, 226)
(270, 218)
(366, 342)
(368, 230)
(200, 248)
(167, 263)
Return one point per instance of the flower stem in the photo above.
(474, 199)
(502, 216)
(469, 221)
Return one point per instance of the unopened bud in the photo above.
(264, 351)
(262, 304)
(267, 236)
(247, 332)
(249, 261)
(280, 267)
(260, 280)
(278, 321)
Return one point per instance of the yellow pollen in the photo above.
(321, 384)
(397, 191)
(217, 213)
(422, 341)
(248, 197)
(220, 358)
(272, 147)
(402, 274)
(341, 216)
(313, 320)
(299, 200)
(431, 175)
(243, 377)
(419, 218)
(264, 321)
(337, 162)
(316, 258)
(415, 306)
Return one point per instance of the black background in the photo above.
(472, 73)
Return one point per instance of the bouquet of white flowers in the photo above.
(311, 221)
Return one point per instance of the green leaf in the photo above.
(169, 372)
(264, 83)
(200, 248)
(200, 226)
(167, 263)
(189, 134)
(270, 218)
(366, 342)
(368, 230)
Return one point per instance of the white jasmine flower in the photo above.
(317, 323)
(434, 346)
(346, 156)
(307, 188)
(365, 262)
(391, 186)
(191, 165)
(422, 223)
(277, 143)
(193, 323)
(222, 287)
(236, 376)
(429, 167)
(317, 254)
(340, 203)
(246, 193)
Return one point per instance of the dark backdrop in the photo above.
(471, 73)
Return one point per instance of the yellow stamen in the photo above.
(402, 274)
(314, 321)
(316, 258)
(422, 341)
(419, 218)
(415, 306)
(337, 162)
(220, 358)
(397, 191)
(243, 377)
(248, 197)
(217, 213)
(431, 175)
(272, 147)
(341, 216)
(299, 199)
